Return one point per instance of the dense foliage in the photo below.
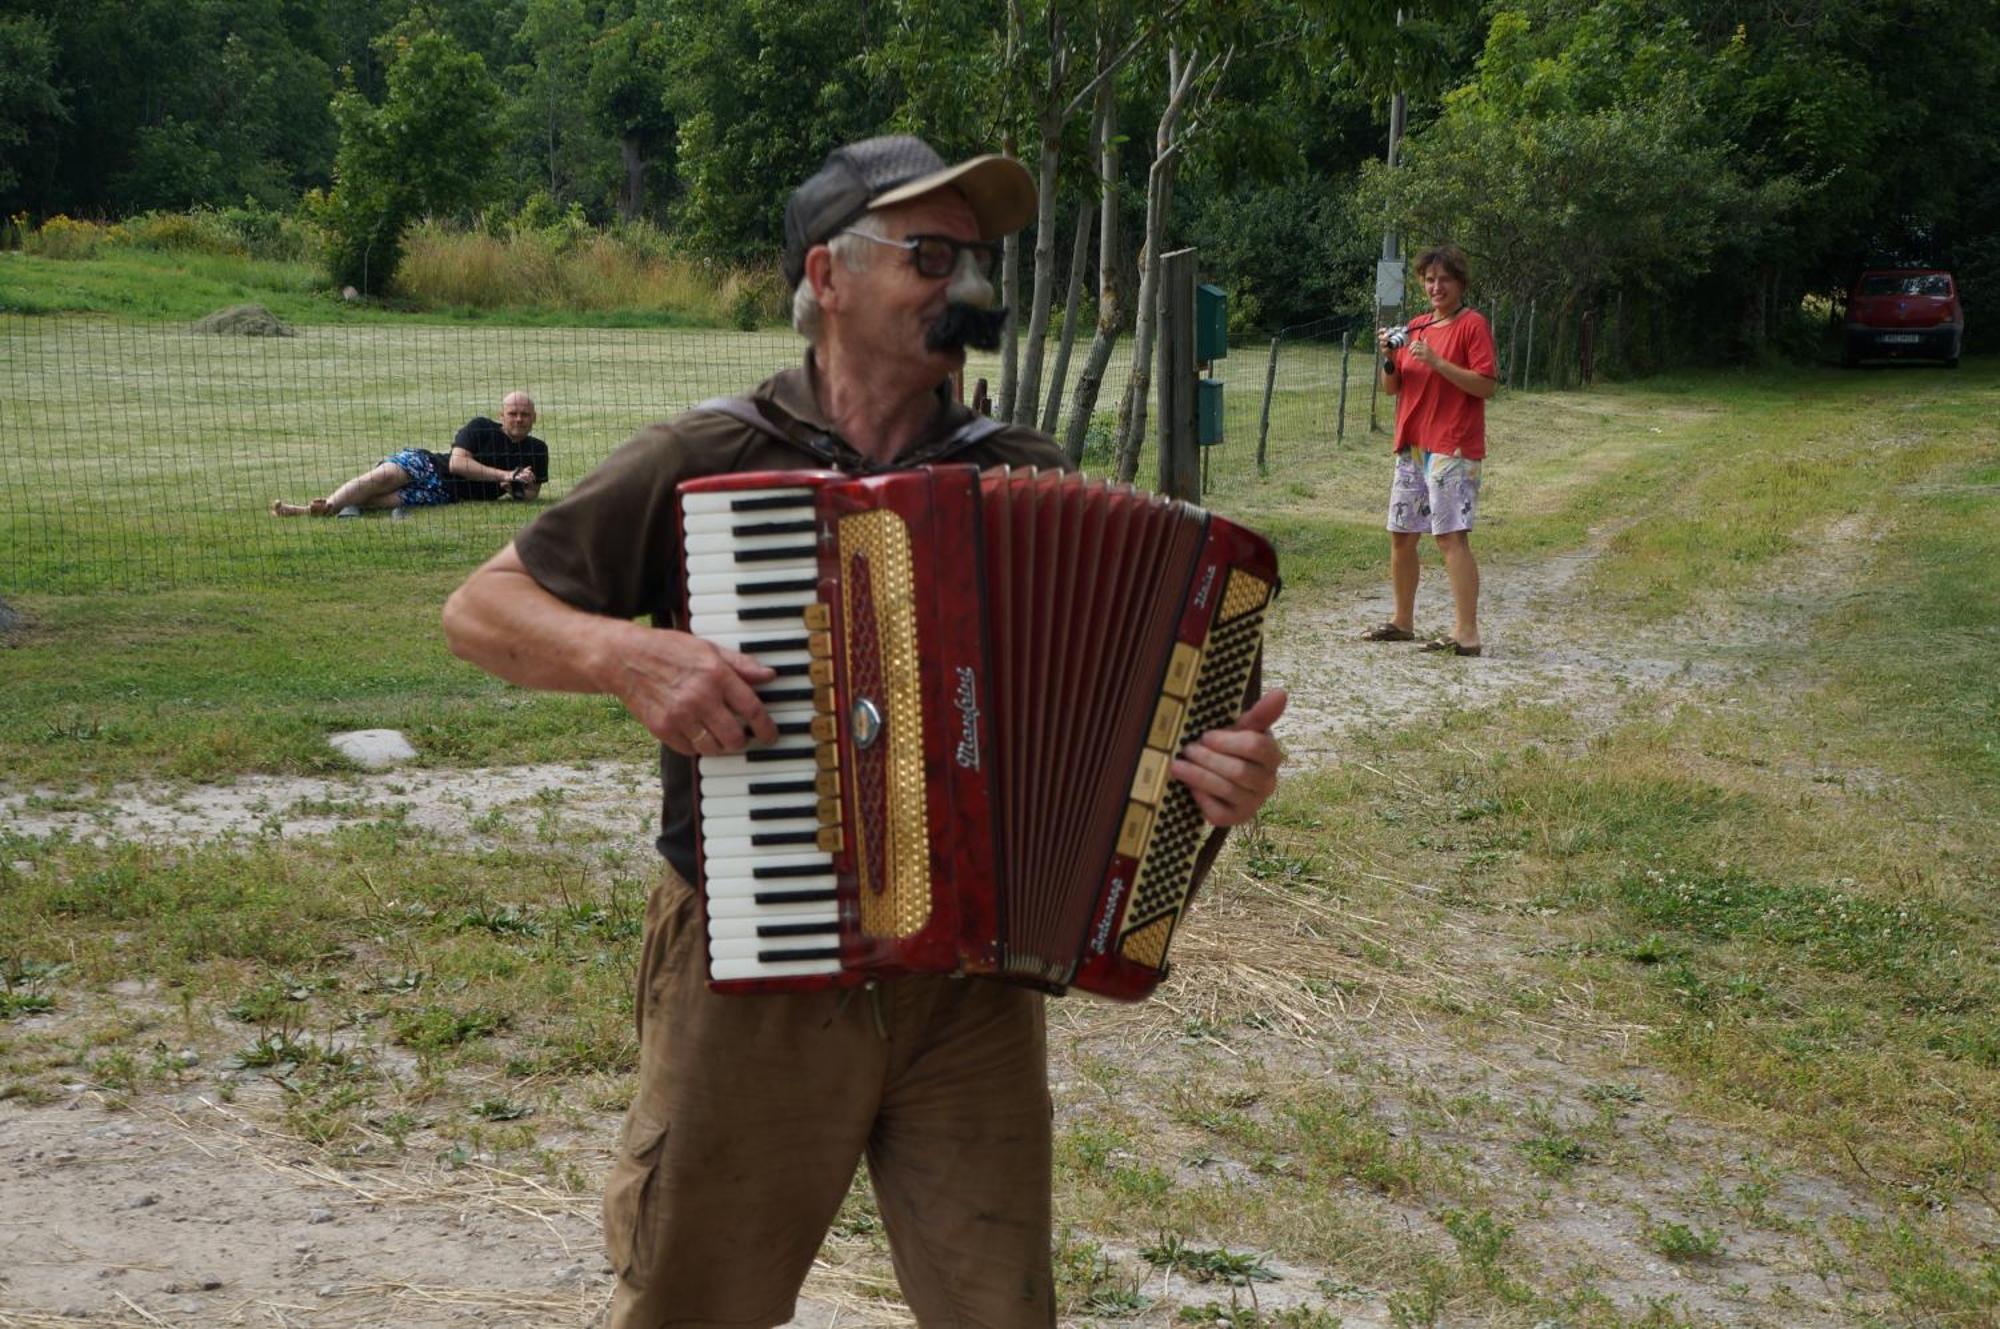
(1691, 172)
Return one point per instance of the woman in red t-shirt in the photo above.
(1440, 378)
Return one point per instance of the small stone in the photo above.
(373, 748)
(319, 1216)
(145, 1202)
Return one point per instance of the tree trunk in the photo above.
(1010, 261)
(1159, 197)
(1084, 404)
(1079, 255)
(1028, 399)
(632, 197)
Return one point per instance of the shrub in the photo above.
(64, 237)
(197, 232)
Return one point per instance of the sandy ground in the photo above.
(187, 1210)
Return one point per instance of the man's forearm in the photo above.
(503, 620)
(468, 467)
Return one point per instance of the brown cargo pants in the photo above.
(752, 1111)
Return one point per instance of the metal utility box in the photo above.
(1208, 411)
(1211, 323)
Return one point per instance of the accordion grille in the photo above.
(1167, 870)
(892, 843)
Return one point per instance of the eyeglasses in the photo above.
(936, 256)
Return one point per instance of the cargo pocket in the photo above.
(631, 1198)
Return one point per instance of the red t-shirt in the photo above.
(1432, 412)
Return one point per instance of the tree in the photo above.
(428, 148)
(30, 101)
(626, 93)
(554, 145)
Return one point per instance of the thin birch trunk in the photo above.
(1079, 256)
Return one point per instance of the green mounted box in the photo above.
(1211, 323)
(1208, 411)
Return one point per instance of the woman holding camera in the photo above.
(1440, 369)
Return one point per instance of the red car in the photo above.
(1903, 314)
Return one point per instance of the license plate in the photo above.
(1900, 339)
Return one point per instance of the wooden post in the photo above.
(1528, 360)
(1340, 425)
(1264, 424)
(1180, 454)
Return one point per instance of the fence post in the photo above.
(1340, 421)
(1528, 360)
(1180, 462)
(1264, 423)
(1374, 384)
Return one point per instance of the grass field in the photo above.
(146, 454)
(1667, 999)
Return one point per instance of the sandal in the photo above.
(1388, 632)
(1448, 644)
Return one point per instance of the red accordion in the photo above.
(982, 678)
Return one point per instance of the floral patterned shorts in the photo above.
(1437, 496)
(426, 487)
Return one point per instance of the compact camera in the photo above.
(1395, 339)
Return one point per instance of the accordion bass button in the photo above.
(818, 617)
(865, 721)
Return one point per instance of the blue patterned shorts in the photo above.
(1437, 496)
(426, 488)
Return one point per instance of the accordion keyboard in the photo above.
(767, 871)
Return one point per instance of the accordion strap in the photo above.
(838, 452)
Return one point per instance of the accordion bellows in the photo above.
(983, 678)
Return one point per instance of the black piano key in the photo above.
(756, 613)
(767, 788)
(783, 814)
(790, 870)
(793, 753)
(770, 503)
(790, 670)
(772, 839)
(797, 929)
(750, 530)
(771, 696)
(826, 896)
(799, 953)
(777, 587)
(773, 645)
(773, 555)
(793, 728)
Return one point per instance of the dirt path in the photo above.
(188, 1210)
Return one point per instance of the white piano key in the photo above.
(711, 625)
(709, 583)
(744, 906)
(729, 828)
(716, 849)
(734, 601)
(724, 542)
(737, 877)
(725, 970)
(733, 798)
(747, 929)
(751, 948)
(702, 504)
(706, 524)
(726, 561)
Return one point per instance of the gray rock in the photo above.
(373, 748)
(319, 1216)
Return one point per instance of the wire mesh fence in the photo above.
(146, 455)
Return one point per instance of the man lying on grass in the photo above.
(487, 461)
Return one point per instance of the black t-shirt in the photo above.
(488, 443)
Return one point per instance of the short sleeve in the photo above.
(1480, 356)
(608, 546)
